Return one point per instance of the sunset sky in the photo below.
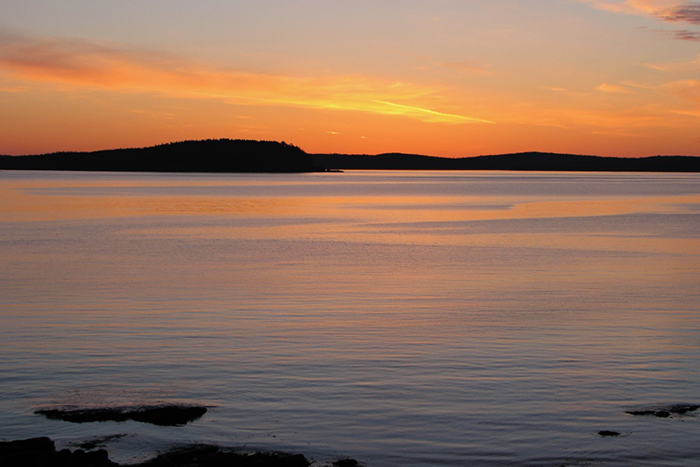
(440, 77)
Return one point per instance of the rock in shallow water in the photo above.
(212, 456)
(99, 441)
(41, 452)
(161, 415)
(667, 411)
(346, 463)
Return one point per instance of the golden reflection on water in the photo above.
(431, 219)
(560, 291)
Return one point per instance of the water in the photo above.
(400, 318)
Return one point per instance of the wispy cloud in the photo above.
(81, 63)
(688, 90)
(687, 35)
(638, 7)
(685, 13)
(680, 34)
(613, 89)
(670, 11)
(691, 66)
(402, 109)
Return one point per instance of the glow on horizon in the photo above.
(450, 77)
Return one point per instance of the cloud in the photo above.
(689, 66)
(688, 90)
(613, 89)
(635, 7)
(686, 13)
(83, 64)
(670, 11)
(680, 34)
(401, 108)
(686, 35)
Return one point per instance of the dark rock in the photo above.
(93, 443)
(665, 412)
(43, 444)
(346, 463)
(34, 451)
(212, 456)
(607, 433)
(167, 415)
(683, 408)
(640, 412)
(162, 415)
(41, 452)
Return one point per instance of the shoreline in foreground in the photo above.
(41, 451)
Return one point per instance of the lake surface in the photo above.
(400, 318)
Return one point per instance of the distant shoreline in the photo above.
(251, 156)
(525, 161)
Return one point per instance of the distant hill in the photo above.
(540, 161)
(226, 155)
(220, 155)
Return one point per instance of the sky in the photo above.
(448, 78)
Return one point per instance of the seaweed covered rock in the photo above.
(213, 456)
(161, 415)
(666, 411)
(41, 452)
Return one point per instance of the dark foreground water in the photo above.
(404, 319)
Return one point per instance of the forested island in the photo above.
(220, 155)
(229, 156)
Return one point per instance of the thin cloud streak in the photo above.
(637, 7)
(687, 13)
(401, 108)
(687, 35)
(613, 89)
(86, 64)
(677, 67)
(688, 90)
(670, 11)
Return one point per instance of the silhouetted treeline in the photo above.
(221, 155)
(226, 155)
(521, 161)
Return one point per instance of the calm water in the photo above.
(404, 319)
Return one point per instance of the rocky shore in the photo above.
(41, 452)
(161, 415)
(666, 411)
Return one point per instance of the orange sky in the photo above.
(444, 77)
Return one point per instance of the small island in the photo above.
(213, 155)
